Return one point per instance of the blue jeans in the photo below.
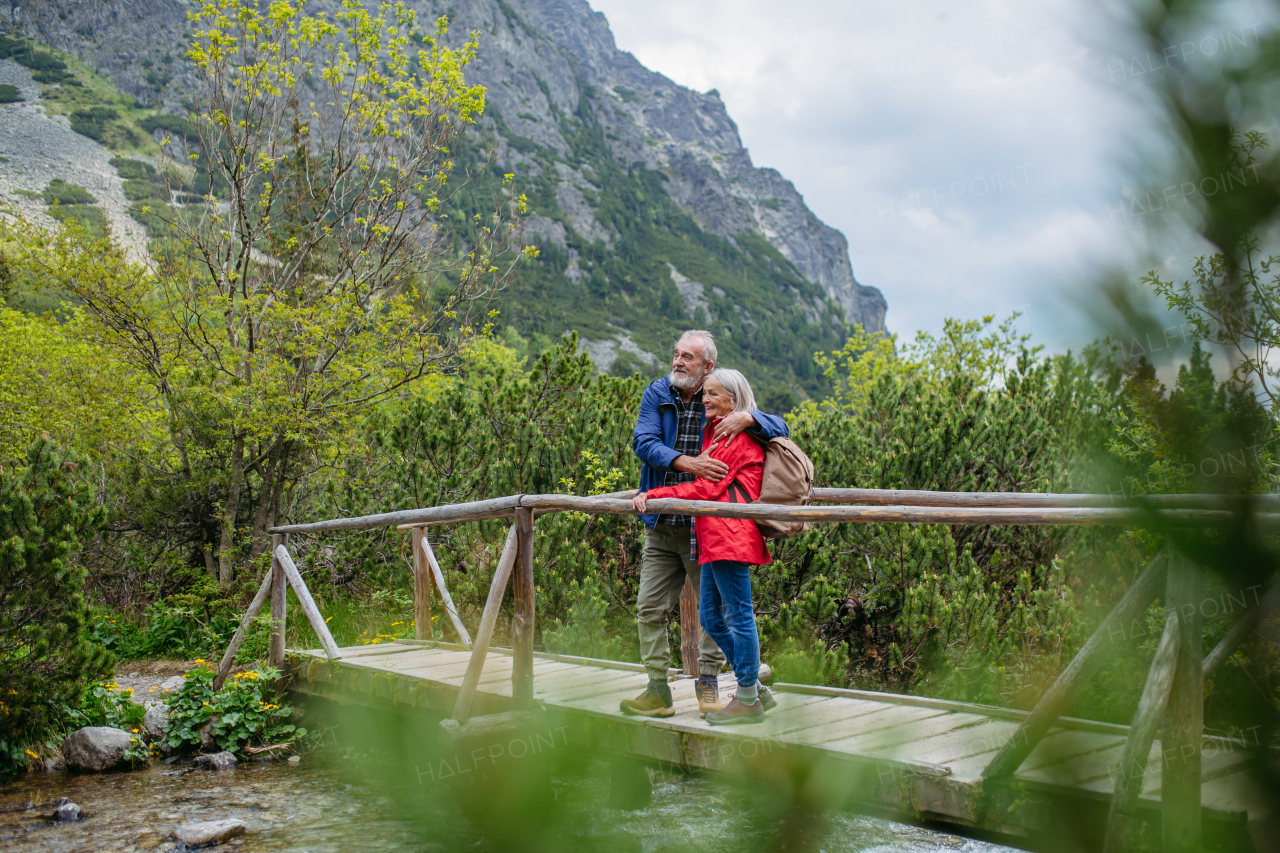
(727, 615)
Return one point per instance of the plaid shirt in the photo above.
(688, 442)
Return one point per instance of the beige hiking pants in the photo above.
(664, 565)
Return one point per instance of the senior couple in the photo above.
(699, 437)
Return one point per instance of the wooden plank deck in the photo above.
(918, 758)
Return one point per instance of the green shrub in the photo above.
(139, 190)
(64, 193)
(9, 94)
(116, 634)
(156, 216)
(128, 168)
(46, 657)
(247, 710)
(109, 704)
(39, 61)
(92, 121)
(172, 124)
(86, 216)
(10, 46)
(584, 630)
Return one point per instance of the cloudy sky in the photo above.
(973, 154)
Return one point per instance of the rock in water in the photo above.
(218, 761)
(157, 720)
(66, 811)
(208, 832)
(95, 748)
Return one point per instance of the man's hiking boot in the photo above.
(708, 690)
(766, 698)
(655, 701)
(735, 712)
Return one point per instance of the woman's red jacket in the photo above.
(726, 538)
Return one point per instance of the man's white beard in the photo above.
(687, 381)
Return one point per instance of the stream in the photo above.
(332, 804)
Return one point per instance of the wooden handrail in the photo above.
(876, 506)
(426, 517)
(1029, 516)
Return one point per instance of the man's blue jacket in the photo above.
(655, 435)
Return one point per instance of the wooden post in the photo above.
(1058, 697)
(279, 587)
(690, 629)
(501, 574)
(522, 622)
(1184, 726)
(1132, 770)
(422, 628)
(238, 640)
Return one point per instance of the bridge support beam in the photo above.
(690, 629)
(1132, 770)
(1055, 701)
(422, 628)
(279, 588)
(1183, 734)
(522, 624)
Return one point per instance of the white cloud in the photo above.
(969, 155)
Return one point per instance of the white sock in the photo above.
(748, 695)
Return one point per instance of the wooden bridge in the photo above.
(1052, 781)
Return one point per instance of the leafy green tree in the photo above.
(46, 660)
(319, 278)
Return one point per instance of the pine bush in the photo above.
(46, 658)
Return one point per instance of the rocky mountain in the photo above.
(648, 208)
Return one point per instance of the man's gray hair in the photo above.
(737, 387)
(708, 343)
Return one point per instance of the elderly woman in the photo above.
(728, 547)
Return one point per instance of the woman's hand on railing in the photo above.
(637, 501)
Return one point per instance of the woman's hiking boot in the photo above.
(735, 712)
(708, 690)
(655, 701)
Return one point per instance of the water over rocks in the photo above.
(216, 761)
(65, 811)
(96, 748)
(208, 832)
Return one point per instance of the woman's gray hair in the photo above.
(708, 343)
(737, 387)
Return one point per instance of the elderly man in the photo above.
(668, 439)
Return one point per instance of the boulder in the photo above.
(66, 811)
(96, 748)
(171, 684)
(206, 736)
(217, 761)
(53, 765)
(157, 720)
(208, 832)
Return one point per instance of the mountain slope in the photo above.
(649, 211)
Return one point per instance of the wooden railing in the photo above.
(1175, 683)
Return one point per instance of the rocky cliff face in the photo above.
(648, 206)
(549, 56)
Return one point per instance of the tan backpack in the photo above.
(788, 479)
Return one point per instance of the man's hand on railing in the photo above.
(637, 501)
